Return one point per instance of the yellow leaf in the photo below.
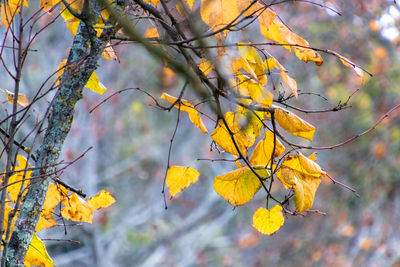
(303, 164)
(245, 129)
(254, 62)
(109, 53)
(294, 124)
(15, 180)
(53, 197)
(37, 254)
(189, 3)
(179, 178)
(76, 209)
(102, 199)
(268, 222)
(253, 10)
(218, 13)
(95, 85)
(278, 32)
(186, 106)
(8, 11)
(205, 66)
(151, 33)
(22, 100)
(290, 82)
(45, 221)
(76, 4)
(47, 5)
(259, 94)
(239, 186)
(263, 151)
(60, 70)
(304, 176)
(266, 18)
(154, 2)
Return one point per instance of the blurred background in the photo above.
(130, 140)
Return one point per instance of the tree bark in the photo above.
(82, 61)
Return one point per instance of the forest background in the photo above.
(130, 141)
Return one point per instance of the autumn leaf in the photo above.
(245, 128)
(263, 151)
(348, 63)
(218, 13)
(278, 32)
(151, 33)
(95, 85)
(256, 91)
(47, 5)
(268, 222)
(154, 2)
(102, 199)
(294, 124)
(53, 197)
(76, 209)
(205, 66)
(179, 178)
(9, 9)
(109, 53)
(290, 82)
(304, 176)
(254, 66)
(15, 180)
(37, 254)
(187, 107)
(239, 186)
(22, 101)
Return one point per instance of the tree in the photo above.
(245, 88)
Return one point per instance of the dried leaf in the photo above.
(239, 186)
(187, 107)
(179, 178)
(268, 222)
(22, 100)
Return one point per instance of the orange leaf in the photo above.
(218, 13)
(77, 209)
